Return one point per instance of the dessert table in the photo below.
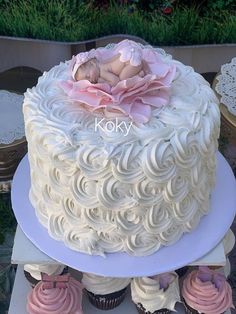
(22, 288)
(25, 252)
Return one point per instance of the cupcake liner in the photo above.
(182, 271)
(190, 310)
(33, 282)
(107, 301)
(141, 310)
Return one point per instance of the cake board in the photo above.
(204, 238)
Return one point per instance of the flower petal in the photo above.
(140, 113)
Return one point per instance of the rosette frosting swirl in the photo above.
(36, 270)
(104, 285)
(207, 291)
(157, 292)
(66, 300)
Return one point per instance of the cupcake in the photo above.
(56, 294)
(33, 271)
(206, 291)
(105, 293)
(157, 294)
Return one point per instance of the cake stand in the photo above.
(203, 239)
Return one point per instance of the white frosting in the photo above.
(35, 270)
(229, 242)
(105, 192)
(147, 291)
(104, 285)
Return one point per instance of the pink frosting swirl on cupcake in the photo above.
(207, 291)
(64, 299)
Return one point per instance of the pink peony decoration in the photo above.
(134, 97)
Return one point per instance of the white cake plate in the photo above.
(189, 248)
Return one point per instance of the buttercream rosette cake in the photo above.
(121, 167)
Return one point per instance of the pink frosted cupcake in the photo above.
(206, 291)
(56, 295)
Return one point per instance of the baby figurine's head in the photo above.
(88, 71)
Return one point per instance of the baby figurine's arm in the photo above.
(115, 70)
(129, 71)
(109, 77)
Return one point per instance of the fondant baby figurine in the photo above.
(117, 68)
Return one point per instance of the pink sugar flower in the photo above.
(134, 97)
